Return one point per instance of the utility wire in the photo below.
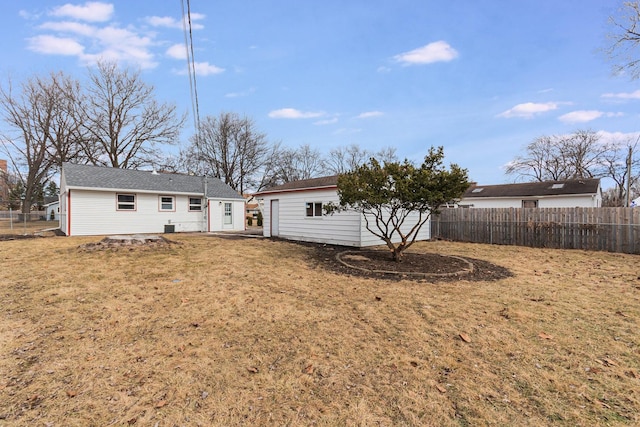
(191, 65)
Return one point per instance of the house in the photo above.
(52, 210)
(294, 211)
(548, 194)
(98, 200)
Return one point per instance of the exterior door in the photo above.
(227, 219)
(275, 218)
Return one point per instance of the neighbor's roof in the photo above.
(97, 177)
(304, 184)
(531, 189)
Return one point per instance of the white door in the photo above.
(275, 214)
(227, 219)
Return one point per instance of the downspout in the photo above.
(68, 213)
(206, 206)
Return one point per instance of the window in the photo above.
(195, 204)
(227, 214)
(529, 203)
(314, 209)
(126, 202)
(167, 203)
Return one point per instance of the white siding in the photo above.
(216, 219)
(565, 201)
(338, 229)
(95, 213)
(345, 228)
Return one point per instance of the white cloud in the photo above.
(292, 113)
(369, 114)
(529, 109)
(177, 51)
(90, 11)
(583, 116)
(240, 94)
(202, 69)
(623, 95)
(326, 122)
(70, 27)
(51, 45)
(439, 51)
(170, 22)
(206, 69)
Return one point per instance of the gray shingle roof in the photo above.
(304, 184)
(530, 189)
(85, 176)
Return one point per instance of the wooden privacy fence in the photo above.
(597, 229)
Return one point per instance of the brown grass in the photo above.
(29, 227)
(249, 332)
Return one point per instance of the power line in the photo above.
(191, 65)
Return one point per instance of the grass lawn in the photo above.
(224, 332)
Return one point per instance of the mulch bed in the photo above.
(438, 266)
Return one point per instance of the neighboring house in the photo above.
(548, 194)
(52, 211)
(294, 211)
(97, 200)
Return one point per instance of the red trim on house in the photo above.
(208, 215)
(68, 212)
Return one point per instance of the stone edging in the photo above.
(467, 270)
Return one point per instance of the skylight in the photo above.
(557, 186)
(477, 190)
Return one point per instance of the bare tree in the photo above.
(44, 131)
(125, 122)
(293, 164)
(346, 159)
(624, 38)
(230, 147)
(556, 158)
(614, 163)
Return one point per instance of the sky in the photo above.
(482, 78)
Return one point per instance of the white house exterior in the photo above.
(97, 200)
(583, 193)
(52, 211)
(294, 211)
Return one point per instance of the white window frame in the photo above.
(195, 207)
(313, 209)
(162, 202)
(228, 213)
(120, 204)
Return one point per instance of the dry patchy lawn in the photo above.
(258, 332)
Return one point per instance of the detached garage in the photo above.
(295, 210)
(97, 200)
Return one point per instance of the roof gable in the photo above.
(97, 177)
(533, 189)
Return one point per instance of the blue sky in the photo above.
(480, 77)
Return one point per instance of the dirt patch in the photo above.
(414, 266)
(6, 237)
(133, 242)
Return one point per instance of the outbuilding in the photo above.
(295, 211)
(98, 200)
